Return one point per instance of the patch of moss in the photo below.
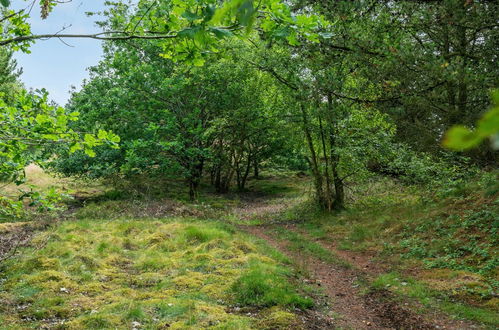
(42, 263)
(277, 318)
(492, 304)
(191, 280)
(96, 321)
(108, 274)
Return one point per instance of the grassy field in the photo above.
(178, 273)
(38, 179)
(123, 260)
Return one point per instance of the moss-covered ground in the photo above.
(123, 261)
(150, 274)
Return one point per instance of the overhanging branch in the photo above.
(108, 35)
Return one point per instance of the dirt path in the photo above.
(338, 285)
(369, 267)
(374, 310)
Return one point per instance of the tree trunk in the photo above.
(245, 175)
(217, 182)
(238, 178)
(212, 175)
(318, 180)
(329, 197)
(192, 191)
(339, 200)
(225, 183)
(462, 90)
(450, 85)
(195, 178)
(256, 169)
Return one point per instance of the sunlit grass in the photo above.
(178, 273)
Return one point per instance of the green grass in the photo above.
(432, 298)
(182, 273)
(457, 232)
(299, 243)
(264, 286)
(434, 233)
(448, 238)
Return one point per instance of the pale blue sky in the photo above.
(52, 64)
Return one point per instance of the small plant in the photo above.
(263, 286)
(202, 235)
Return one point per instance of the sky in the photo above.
(52, 64)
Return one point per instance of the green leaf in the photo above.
(5, 3)
(190, 16)
(115, 138)
(489, 124)
(281, 32)
(40, 119)
(102, 134)
(221, 33)
(73, 116)
(460, 138)
(188, 32)
(198, 61)
(292, 39)
(90, 140)
(208, 12)
(75, 147)
(245, 13)
(90, 152)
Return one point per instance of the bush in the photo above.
(413, 167)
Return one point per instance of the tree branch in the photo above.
(108, 35)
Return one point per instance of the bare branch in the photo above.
(108, 35)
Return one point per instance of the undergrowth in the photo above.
(445, 239)
(431, 297)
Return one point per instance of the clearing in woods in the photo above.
(252, 260)
(241, 164)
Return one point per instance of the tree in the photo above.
(185, 29)
(342, 136)
(202, 86)
(431, 65)
(29, 127)
(175, 119)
